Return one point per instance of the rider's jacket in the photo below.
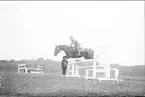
(75, 42)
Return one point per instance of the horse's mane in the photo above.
(64, 46)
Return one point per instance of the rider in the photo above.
(76, 43)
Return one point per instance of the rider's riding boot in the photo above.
(78, 52)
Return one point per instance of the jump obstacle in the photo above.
(24, 67)
(74, 68)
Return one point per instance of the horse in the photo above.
(70, 52)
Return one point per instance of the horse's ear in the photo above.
(55, 45)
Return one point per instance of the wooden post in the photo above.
(18, 69)
(26, 69)
(87, 73)
(68, 68)
(73, 68)
(108, 71)
(77, 71)
(94, 64)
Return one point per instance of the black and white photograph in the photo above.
(72, 48)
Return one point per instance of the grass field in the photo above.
(53, 84)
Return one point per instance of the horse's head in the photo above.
(60, 48)
(56, 51)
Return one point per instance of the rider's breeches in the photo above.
(77, 48)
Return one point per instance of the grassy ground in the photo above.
(23, 84)
(53, 84)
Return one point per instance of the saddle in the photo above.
(79, 50)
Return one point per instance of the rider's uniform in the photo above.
(76, 43)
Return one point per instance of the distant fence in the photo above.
(26, 69)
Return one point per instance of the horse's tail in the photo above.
(89, 53)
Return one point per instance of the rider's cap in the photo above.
(71, 37)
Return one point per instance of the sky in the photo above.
(30, 29)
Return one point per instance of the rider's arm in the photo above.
(71, 43)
